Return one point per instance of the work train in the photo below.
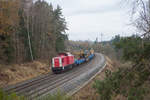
(68, 60)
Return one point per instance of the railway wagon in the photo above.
(62, 61)
(85, 56)
(80, 61)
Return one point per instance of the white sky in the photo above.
(87, 19)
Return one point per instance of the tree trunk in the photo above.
(29, 39)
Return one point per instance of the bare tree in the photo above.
(141, 10)
(28, 3)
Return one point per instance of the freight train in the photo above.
(68, 60)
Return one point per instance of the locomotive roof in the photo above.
(66, 54)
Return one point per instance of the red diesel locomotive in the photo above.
(62, 62)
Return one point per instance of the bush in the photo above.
(127, 82)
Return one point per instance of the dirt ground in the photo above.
(87, 92)
(20, 72)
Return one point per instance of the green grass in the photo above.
(58, 96)
(13, 96)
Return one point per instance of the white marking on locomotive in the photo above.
(60, 62)
(53, 63)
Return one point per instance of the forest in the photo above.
(30, 31)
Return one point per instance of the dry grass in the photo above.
(87, 92)
(11, 74)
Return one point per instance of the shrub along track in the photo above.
(66, 81)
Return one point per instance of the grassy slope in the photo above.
(11, 74)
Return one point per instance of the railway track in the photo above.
(45, 84)
(46, 88)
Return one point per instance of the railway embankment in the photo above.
(88, 92)
(15, 73)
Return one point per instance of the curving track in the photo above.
(66, 82)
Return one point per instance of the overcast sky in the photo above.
(87, 19)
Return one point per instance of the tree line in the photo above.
(30, 30)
